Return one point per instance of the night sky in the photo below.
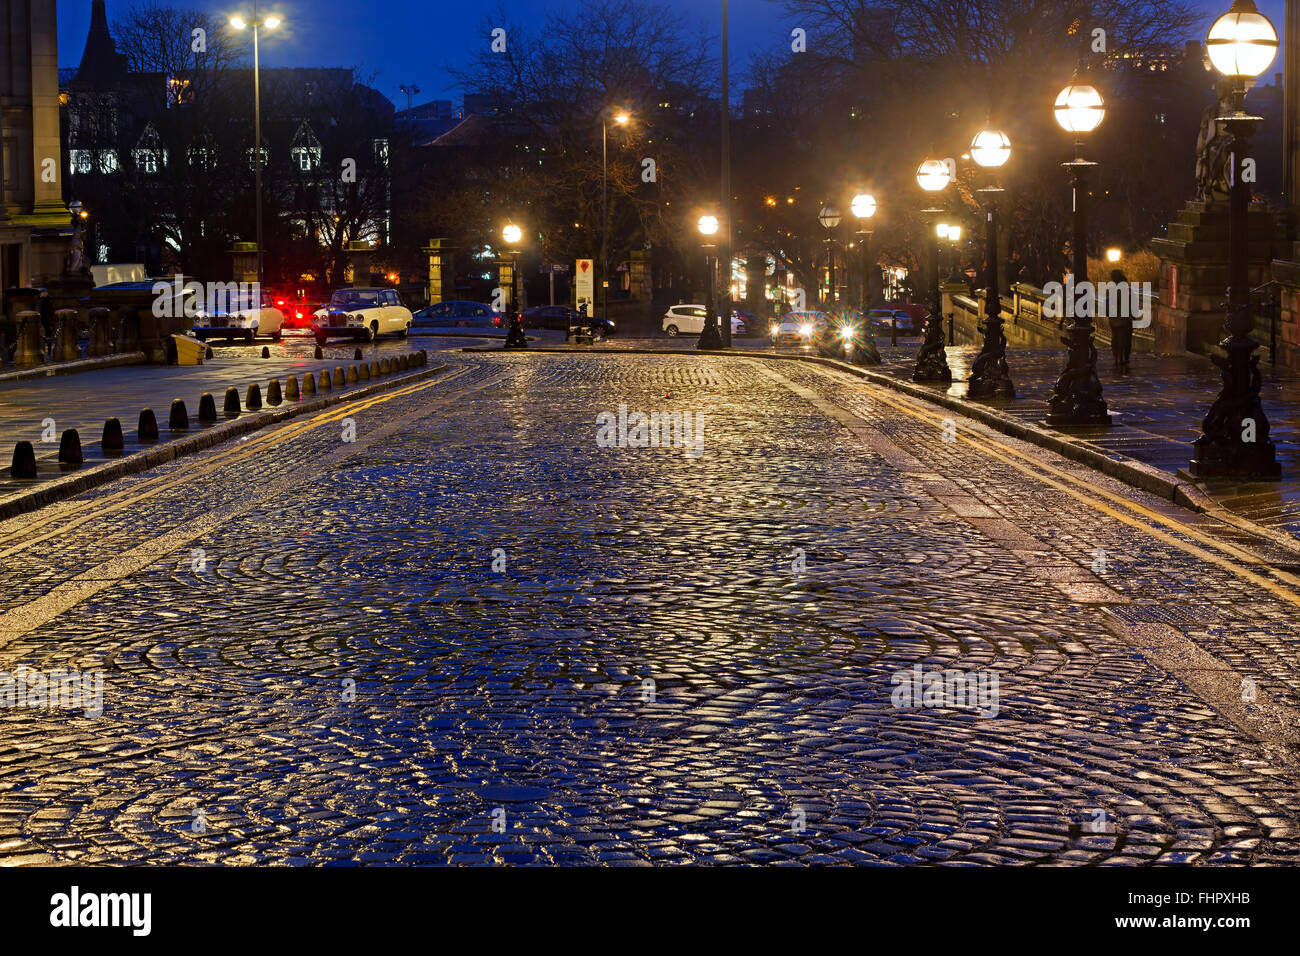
(411, 40)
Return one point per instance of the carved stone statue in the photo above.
(76, 263)
(1212, 148)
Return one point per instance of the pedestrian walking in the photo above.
(1121, 331)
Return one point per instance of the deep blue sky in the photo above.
(408, 41)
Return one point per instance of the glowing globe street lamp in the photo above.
(710, 336)
(932, 176)
(512, 235)
(1234, 440)
(863, 208)
(1077, 398)
(989, 376)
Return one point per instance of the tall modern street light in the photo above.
(621, 118)
(989, 376)
(830, 218)
(710, 337)
(932, 361)
(515, 338)
(270, 23)
(1234, 438)
(1076, 399)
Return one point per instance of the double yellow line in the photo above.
(95, 508)
(1202, 545)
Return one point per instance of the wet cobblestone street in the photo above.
(473, 635)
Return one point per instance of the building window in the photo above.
(381, 152)
(307, 157)
(202, 157)
(252, 158)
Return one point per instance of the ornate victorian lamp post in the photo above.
(989, 376)
(258, 23)
(1076, 399)
(710, 337)
(932, 362)
(829, 217)
(863, 208)
(621, 118)
(515, 338)
(1234, 438)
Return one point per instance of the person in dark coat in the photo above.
(1121, 331)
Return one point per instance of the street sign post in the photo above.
(584, 286)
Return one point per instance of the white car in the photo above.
(798, 327)
(241, 315)
(362, 314)
(689, 319)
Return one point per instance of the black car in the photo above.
(562, 317)
(457, 314)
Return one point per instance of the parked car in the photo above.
(798, 327)
(563, 317)
(689, 319)
(457, 314)
(882, 318)
(362, 314)
(240, 315)
(751, 321)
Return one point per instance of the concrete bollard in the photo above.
(356, 353)
(319, 353)
(352, 375)
(101, 333)
(231, 409)
(385, 367)
(273, 393)
(340, 379)
(66, 346)
(291, 389)
(24, 463)
(326, 383)
(424, 356)
(112, 440)
(70, 448)
(374, 369)
(147, 429)
(266, 351)
(207, 353)
(363, 372)
(308, 385)
(253, 398)
(30, 350)
(178, 420)
(207, 408)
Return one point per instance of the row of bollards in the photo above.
(112, 441)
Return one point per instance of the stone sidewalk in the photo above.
(1156, 409)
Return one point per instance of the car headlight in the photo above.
(775, 330)
(805, 329)
(846, 332)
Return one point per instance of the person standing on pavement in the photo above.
(1121, 330)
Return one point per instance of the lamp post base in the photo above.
(710, 338)
(1234, 440)
(932, 360)
(515, 338)
(1076, 399)
(989, 375)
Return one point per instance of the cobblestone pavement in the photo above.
(313, 651)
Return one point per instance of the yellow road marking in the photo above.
(1039, 469)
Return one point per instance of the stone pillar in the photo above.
(31, 350)
(442, 270)
(244, 262)
(101, 333)
(1194, 274)
(360, 254)
(48, 207)
(66, 346)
